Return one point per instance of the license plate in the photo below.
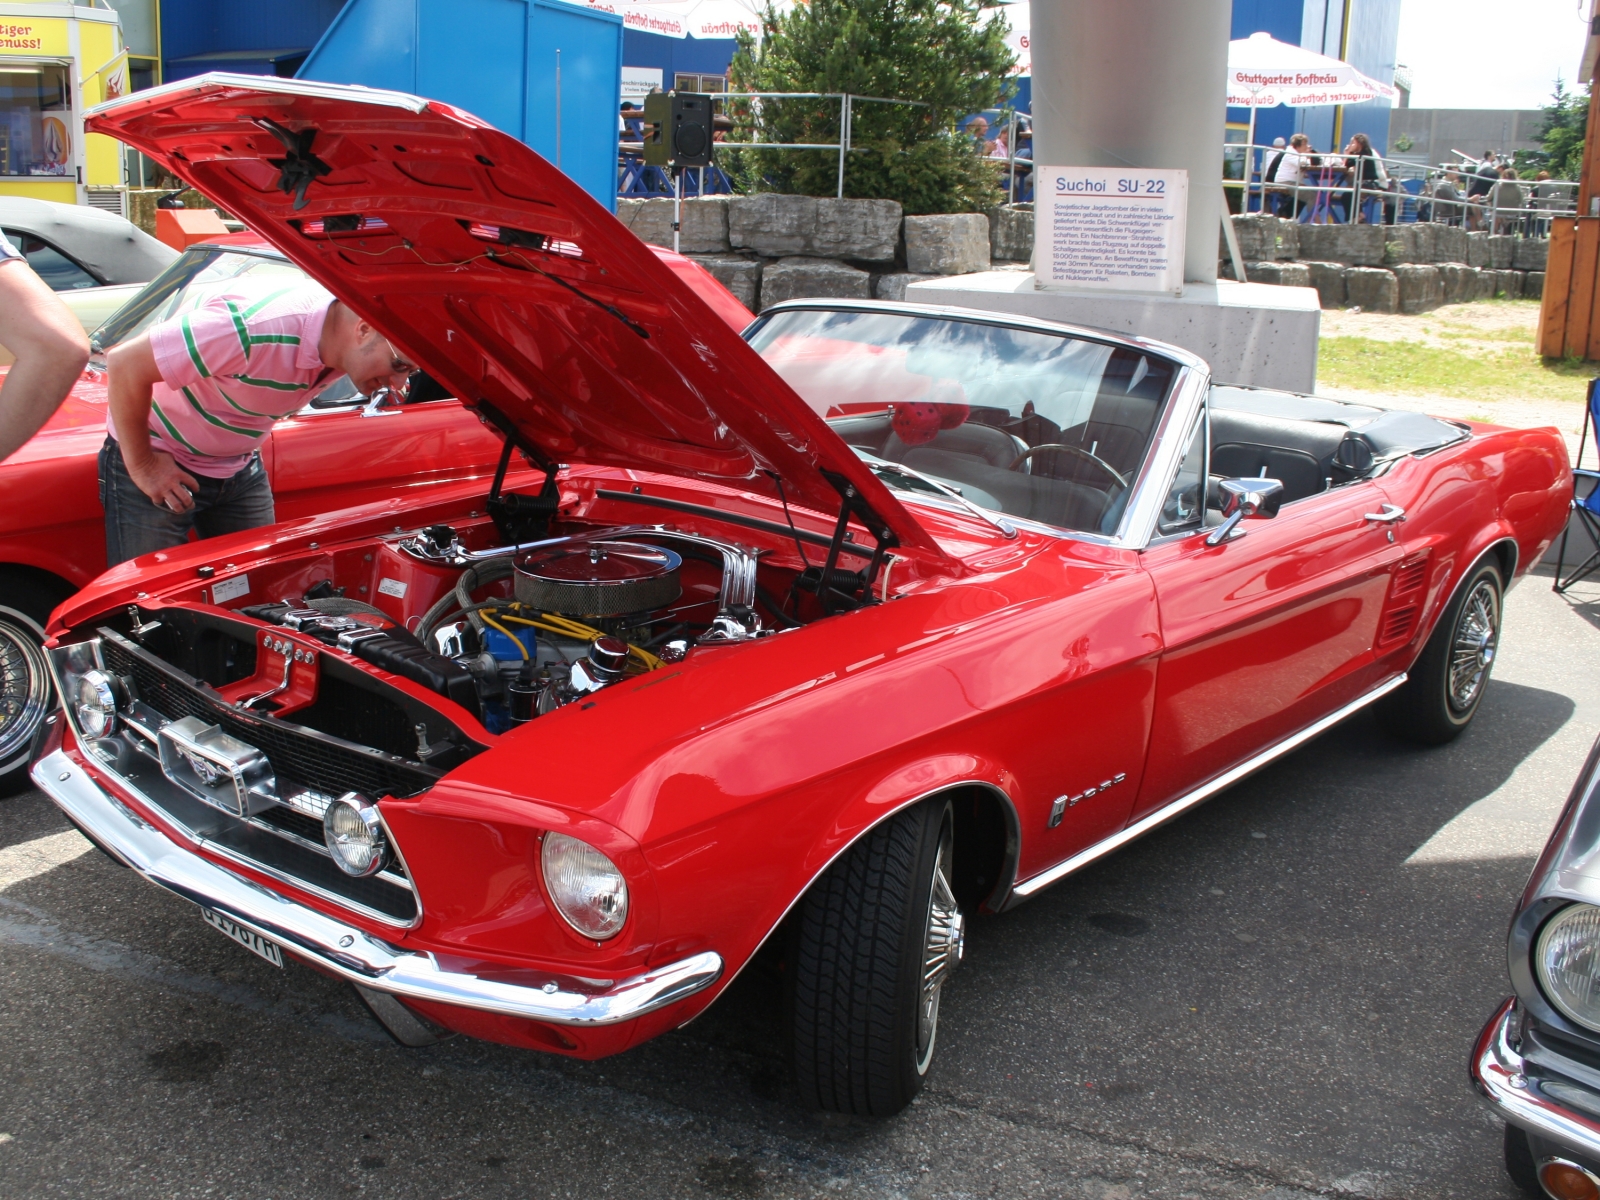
(250, 940)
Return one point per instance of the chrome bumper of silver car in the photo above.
(1499, 1075)
(344, 949)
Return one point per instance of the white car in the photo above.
(95, 261)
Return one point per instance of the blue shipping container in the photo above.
(545, 72)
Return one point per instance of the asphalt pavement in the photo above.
(1273, 997)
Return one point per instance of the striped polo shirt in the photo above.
(242, 358)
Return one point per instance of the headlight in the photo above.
(585, 886)
(1567, 957)
(94, 703)
(355, 835)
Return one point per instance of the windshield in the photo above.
(1043, 426)
(182, 286)
(186, 283)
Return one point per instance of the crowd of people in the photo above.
(1488, 195)
(1016, 175)
(1356, 186)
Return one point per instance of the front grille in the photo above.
(303, 755)
(289, 820)
(284, 841)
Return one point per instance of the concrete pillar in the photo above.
(1137, 83)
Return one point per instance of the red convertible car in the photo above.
(328, 455)
(820, 640)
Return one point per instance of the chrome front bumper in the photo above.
(344, 949)
(1499, 1075)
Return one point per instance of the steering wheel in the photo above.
(1016, 464)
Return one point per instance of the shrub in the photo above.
(949, 54)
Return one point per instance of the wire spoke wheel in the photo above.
(943, 944)
(1447, 681)
(1472, 648)
(25, 689)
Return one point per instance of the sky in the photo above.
(1488, 53)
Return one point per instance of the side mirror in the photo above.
(1243, 498)
(378, 404)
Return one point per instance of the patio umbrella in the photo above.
(1264, 72)
(1019, 16)
(685, 18)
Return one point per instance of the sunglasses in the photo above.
(398, 364)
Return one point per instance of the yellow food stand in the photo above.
(56, 60)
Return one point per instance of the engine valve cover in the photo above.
(598, 579)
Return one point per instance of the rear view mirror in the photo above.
(1242, 498)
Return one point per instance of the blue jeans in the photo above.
(136, 525)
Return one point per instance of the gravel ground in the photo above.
(1271, 998)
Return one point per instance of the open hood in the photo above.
(502, 278)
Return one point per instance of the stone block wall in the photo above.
(948, 244)
(768, 247)
(1011, 233)
(703, 227)
(1425, 265)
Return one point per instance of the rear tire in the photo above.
(873, 943)
(27, 694)
(1448, 680)
(1520, 1165)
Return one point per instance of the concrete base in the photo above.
(1250, 333)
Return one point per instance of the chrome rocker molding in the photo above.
(1499, 1075)
(1028, 887)
(346, 950)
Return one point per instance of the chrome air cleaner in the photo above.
(598, 579)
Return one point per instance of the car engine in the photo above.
(522, 630)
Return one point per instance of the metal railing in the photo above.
(1328, 186)
(847, 102)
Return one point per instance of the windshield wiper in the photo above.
(944, 489)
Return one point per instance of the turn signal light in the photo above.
(1568, 1181)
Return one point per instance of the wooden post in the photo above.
(1589, 176)
(1569, 313)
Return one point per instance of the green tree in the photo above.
(1566, 119)
(948, 54)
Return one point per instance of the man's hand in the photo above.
(166, 483)
(131, 373)
(50, 349)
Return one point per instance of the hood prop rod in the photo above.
(519, 517)
(830, 582)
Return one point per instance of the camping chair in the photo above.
(1585, 503)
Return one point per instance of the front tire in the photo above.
(26, 694)
(874, 941)
(1451, 674)
(1520, 1165)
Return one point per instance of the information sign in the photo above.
(639, 82)
(1110, 228)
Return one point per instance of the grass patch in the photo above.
(1469, 333)
(1410, 368)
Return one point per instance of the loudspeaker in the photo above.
(677, 129)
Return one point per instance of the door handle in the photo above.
(1390, 513)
